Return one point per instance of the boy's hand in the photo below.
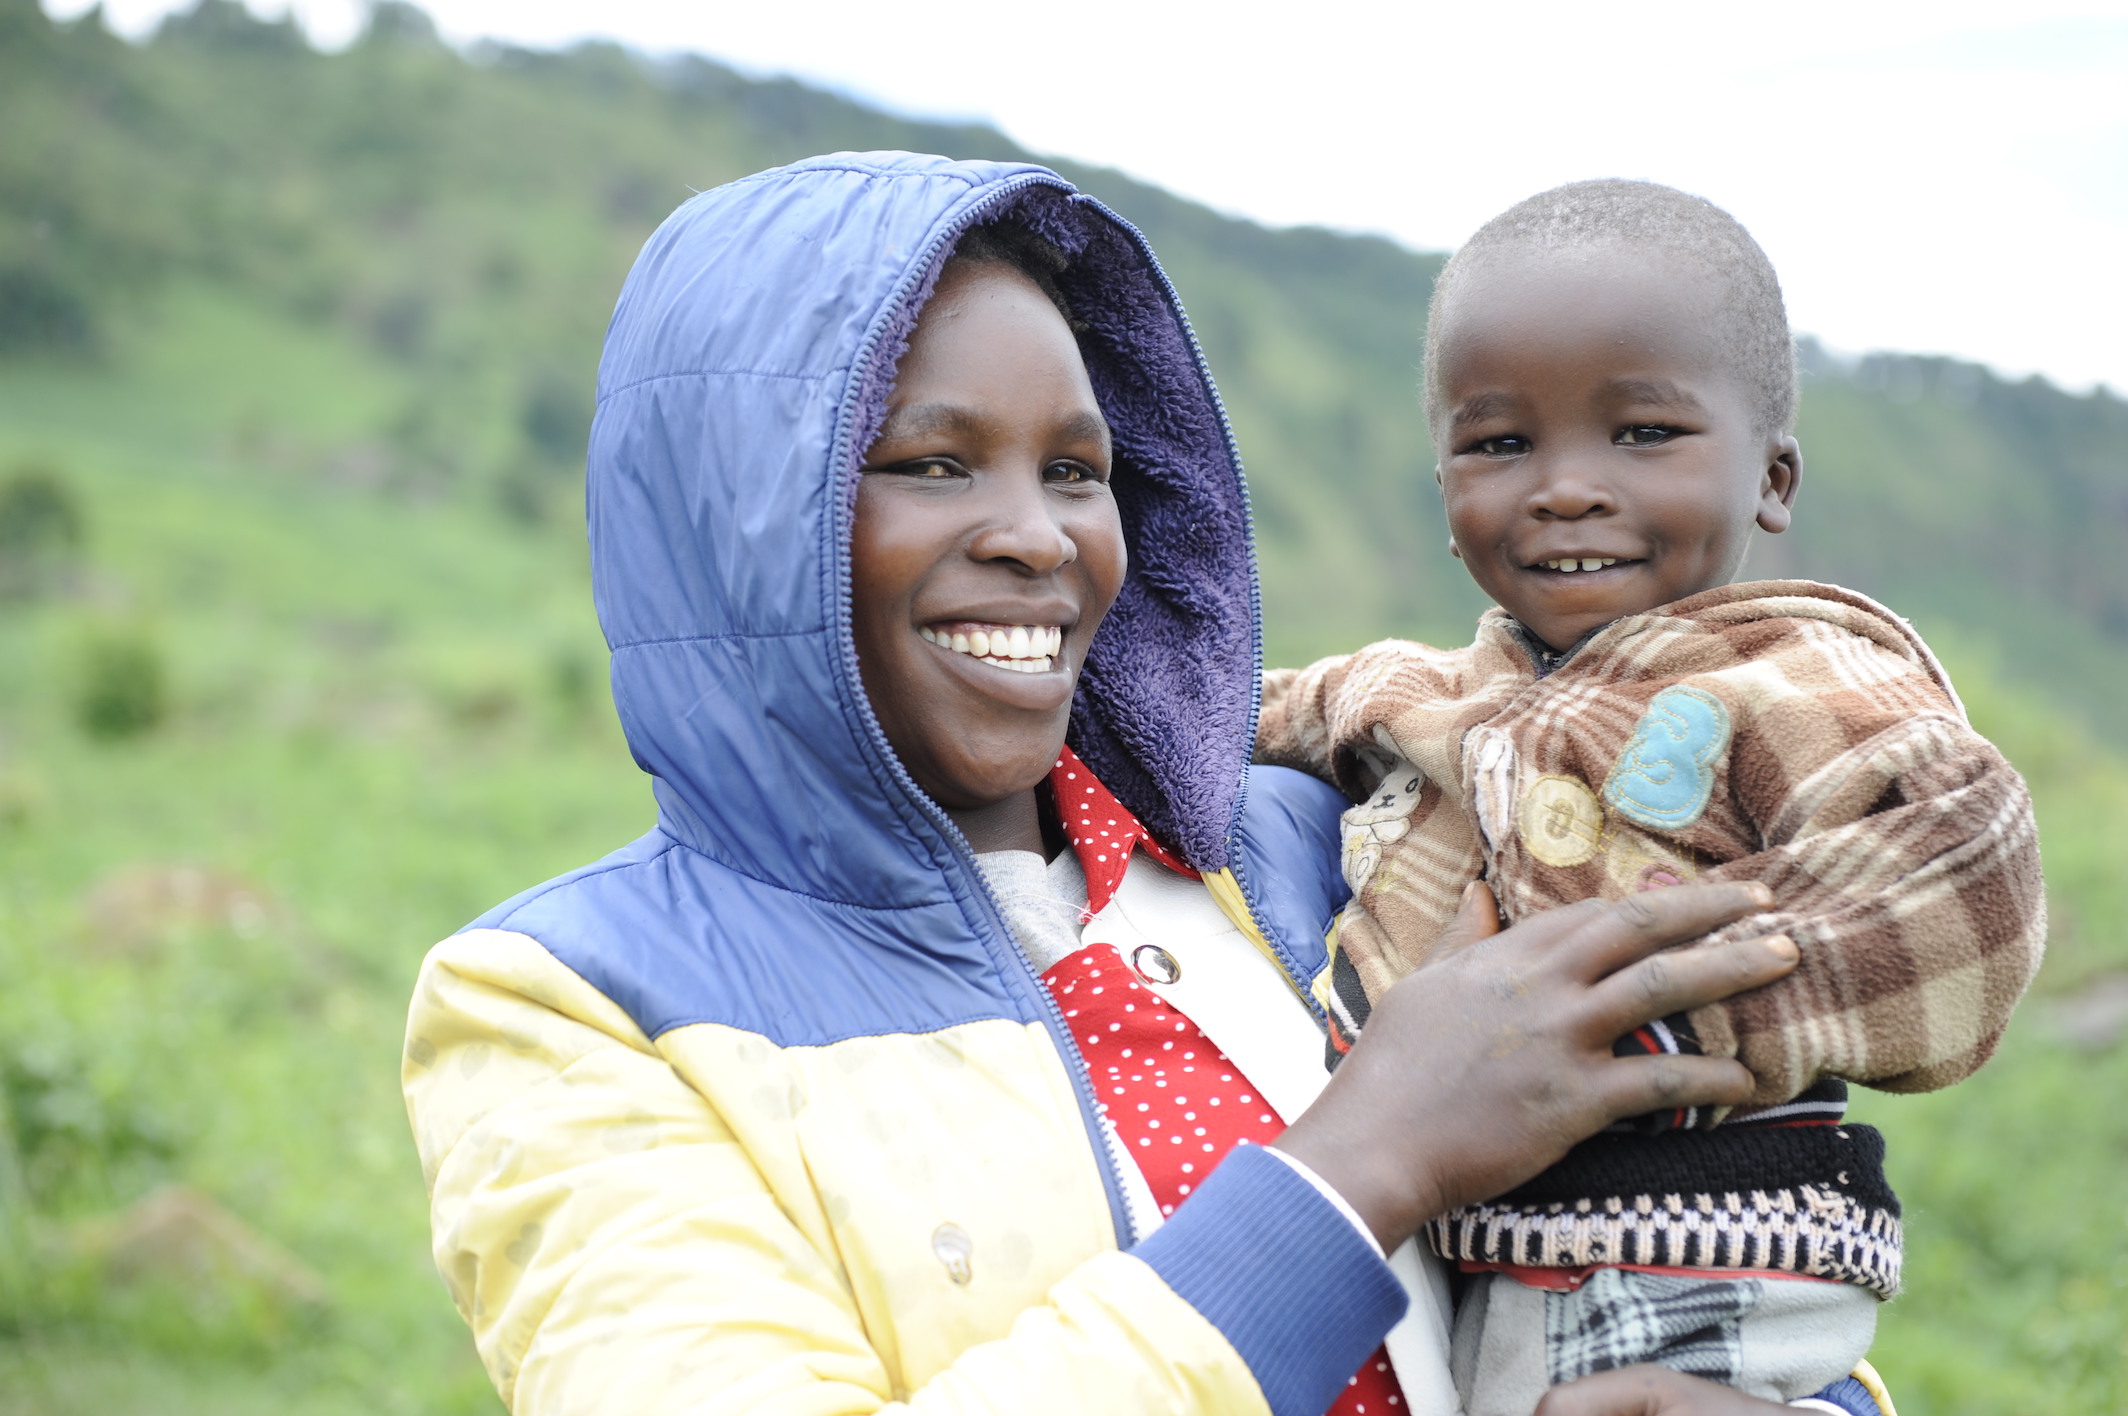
(1488, 1063)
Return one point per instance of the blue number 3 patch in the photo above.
(1666, 773)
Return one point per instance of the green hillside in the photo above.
(470, 223)
(298, 670)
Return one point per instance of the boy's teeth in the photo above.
(1023, 648)
(1588, 563)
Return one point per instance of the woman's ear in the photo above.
(1778, 486)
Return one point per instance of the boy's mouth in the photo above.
(1576, 565)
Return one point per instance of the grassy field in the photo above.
(380, 718)
(379, 714)
(2015, 1183)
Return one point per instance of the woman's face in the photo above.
(986, 546)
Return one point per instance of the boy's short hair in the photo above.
(1646, 216)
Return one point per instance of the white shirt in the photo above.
(1244, 1003)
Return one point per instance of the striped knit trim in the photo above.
(1807, 1230)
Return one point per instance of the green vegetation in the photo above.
(298, 670)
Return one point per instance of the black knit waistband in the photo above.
(1805, 1199)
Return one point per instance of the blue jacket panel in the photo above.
(675, 937)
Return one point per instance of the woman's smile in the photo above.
(1018, 648)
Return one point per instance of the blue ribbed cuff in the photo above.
(1282, 1275)
(1850, 1396)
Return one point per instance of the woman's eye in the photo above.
(1506, 445)
(1073, 473)
(1644, 435)
(927, 469)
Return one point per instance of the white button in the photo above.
(955, 1250)
(1155, 964)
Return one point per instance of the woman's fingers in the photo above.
(1493, 1059)
(1683, 979)
(1635, 1086)
(1650, 1391)
(1477, 917)
(1629, 930)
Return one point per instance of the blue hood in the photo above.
(745, 373)
(798, 884)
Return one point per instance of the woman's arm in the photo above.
(614, 1245)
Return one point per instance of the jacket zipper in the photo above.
(1226, 429)
(1106, 1149)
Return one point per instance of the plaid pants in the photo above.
(1779, 1339)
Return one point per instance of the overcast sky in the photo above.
(1941, 177)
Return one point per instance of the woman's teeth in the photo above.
(1587, 563)
(1022, 648)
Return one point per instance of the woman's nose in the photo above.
(1023, 525)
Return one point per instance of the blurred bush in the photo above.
(121, 688)
(41, 530)
(69, 1137)
(575, 684)
(556, 418)
(42, 311)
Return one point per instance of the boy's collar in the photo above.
(1543, 656)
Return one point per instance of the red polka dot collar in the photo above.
(1102, 831)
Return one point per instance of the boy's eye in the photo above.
(1506, 445)
(1644, 435)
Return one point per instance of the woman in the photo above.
(770, 1110)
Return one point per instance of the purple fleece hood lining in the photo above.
(1165, 708)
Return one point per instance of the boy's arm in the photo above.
(1337, 719)
(1383, 726)
(1293, 726)
(1907, 867)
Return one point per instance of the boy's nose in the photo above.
(1567, 490)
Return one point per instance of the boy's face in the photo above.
(1590, 420)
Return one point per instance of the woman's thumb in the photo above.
(1477, 917)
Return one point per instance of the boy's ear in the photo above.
(1778, 486)
(1453, 549)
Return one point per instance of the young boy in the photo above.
(1610, 384)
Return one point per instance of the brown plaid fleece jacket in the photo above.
(1782, 731)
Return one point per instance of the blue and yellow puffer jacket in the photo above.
(765, 1112)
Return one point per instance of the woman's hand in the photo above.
(1485, 1065)
(1650, 1391)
